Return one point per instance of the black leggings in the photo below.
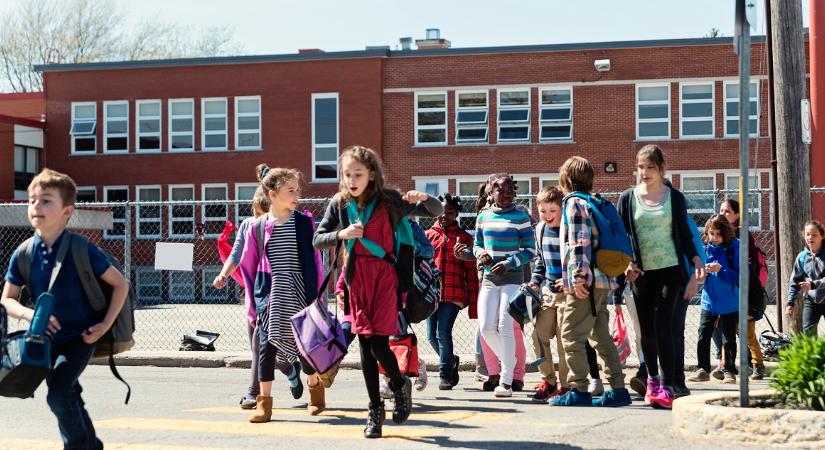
(591, 360)
(375, 350)
(656, 293)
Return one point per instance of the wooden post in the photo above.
(793, 160)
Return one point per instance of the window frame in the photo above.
(751, 133)
(239, 132)
(653, 102)
(209, 294)
(107, 135)
(181, 278)
(555, 122)
(171, 133)
(138, 119)
(336, 146)
(106, 189)
(683, 119)
(92, 135)
(477, 125)
(443, 185)
(140, 220)
(417, 127)
(238, 217)
(172, 219)
(205, 132)
(205, 218)
(513, 123)
(93, 189)
(757, 226)
(140, 283)
(690, 211)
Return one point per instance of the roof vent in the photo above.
(433, 40)
(406, 43)
(308, 51)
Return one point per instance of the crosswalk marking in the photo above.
(45, 444)
(445, 415)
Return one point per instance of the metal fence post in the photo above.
(127, 243)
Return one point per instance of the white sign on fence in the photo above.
(174, 256)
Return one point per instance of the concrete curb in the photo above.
(694, 417)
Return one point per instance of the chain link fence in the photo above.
(173, 303)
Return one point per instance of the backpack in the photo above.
(760, 268)
(119, 338)
(614, 252)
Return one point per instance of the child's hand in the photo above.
(805, 286)
(690, 290)
(559, 285)
(54, 325)
(354, 231)
(535, 287)
(459, 249)
(632, 273)
(789, 310)
(339, 298)
(94, 332)
(713, 267)
(415, 196)
(220, 281)
(485, 259)
(579, 289)
(499, 268)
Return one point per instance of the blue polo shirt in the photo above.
(71, 307)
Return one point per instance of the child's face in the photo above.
(813, 238)
(503, 194)
(715, 237)
(550, 213)
(727, 211)
(449, 216)
(648, 172)
(356, 177)
(287, 196)
(46, 210)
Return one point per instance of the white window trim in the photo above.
(205, 116)
(474, 125)
(743, 208)
(173, 219)
(551, 178)
(88, 188)
(106, 190)
(652, 102)
(751, 133)
(159, 133)
(204, 217)
(181, 278)
(92, 136)
(208, 273)
(259, 131)
(698, 174)
(683, 119)
(107, 135)
(139, 282)
(443, 185)
(172, 133)
(158, 220)
(238, 186)
(337, 136)
(543, 123)
(430, 127)
(514, 124)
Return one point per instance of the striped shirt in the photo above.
(579, 239)
(548, 256)
(506, 235)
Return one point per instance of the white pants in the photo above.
(496, 326)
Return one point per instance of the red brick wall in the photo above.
(6, 161)
(25, 105)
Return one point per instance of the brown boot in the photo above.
(317, 404)
(263, 409)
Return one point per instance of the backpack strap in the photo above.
(24, 259)
(88, 280)
(260, 235)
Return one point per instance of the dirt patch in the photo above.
(762, 402)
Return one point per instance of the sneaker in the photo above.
(718, 373)
(663, 399)
(298, 390)
(248, 403)
(613, 398)
(759, 372)
(445, 385)
(421, 381)
(653, 388)
(638, 385)
(572, 398)
(534, 364)
(518, 385)
(701, 375)
(543, 392)
(560, 391)
(481, 369)
(596, 387)
(403, 401)
(503, 390)
(454, 368)
(491, 383)
(680, 391)
(384, 389)
(729, 378)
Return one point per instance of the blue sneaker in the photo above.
(613, 398)
(573, 398)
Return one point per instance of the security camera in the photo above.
(602, 65)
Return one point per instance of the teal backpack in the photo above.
(614, 252)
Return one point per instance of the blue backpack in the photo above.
(614, 252)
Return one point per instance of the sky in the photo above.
(284, 26)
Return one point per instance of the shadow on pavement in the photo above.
(447, 442)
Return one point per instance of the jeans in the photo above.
(728, 323)
(440, 335)
(811, 313)
(68, 361)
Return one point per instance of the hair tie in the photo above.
(264, 171)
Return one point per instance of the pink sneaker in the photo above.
(653, 388)
(663, 399)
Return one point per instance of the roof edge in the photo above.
(22, 121)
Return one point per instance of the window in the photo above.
(732, 109)
(182, 125)
(182, 217)
(116, 127)
(214, 215)
(433, 188)
(148, 216)
(653, 111)
(754, 205)
(148, 126)
(514, 116)
(468, 190)
(549, 181)
(208, 292)
(556, 117)
(149, 284)
(700, 206)
(243, 209)
(324, 137)
(116, 194)
(696, 110)
(84, 127)
(213, 125)
(248, 123)
(86, 195)
(431, 118)
(181, 286)
(26, 166)
(471, 117)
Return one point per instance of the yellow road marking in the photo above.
(45, 444)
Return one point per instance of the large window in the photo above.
(700, 206)
(208, 292)
(214, 215)
(556, 117)
(431, 118)
(181, 287)
(182, 217)
(696, 110)
(86, 194)
(245, 192)
(116, 127)
(514, 115)
(116, 194)
(732, 109)
(148, 125)
(248, 123)
(471, 116)
(148, 284)
(653, 111)
(26, 166)
(181, 125)
(754, 205)
(84, 127)
(325, 137)
(148, 216)
(213, 123)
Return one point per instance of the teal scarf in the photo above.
(363, 217)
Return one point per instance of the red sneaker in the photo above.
(663, 399)
(560, 391)
(543, 392)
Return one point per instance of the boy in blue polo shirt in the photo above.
(74, 327)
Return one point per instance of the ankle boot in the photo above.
(263, 409)
(403, 401)
(375, 421)
(317, 403)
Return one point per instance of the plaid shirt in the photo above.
(579, 237)
(460, 279)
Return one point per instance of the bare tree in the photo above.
(714, 33)
(92, 30)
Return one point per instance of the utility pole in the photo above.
(793, 160)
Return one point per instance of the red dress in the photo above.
(373, 291)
